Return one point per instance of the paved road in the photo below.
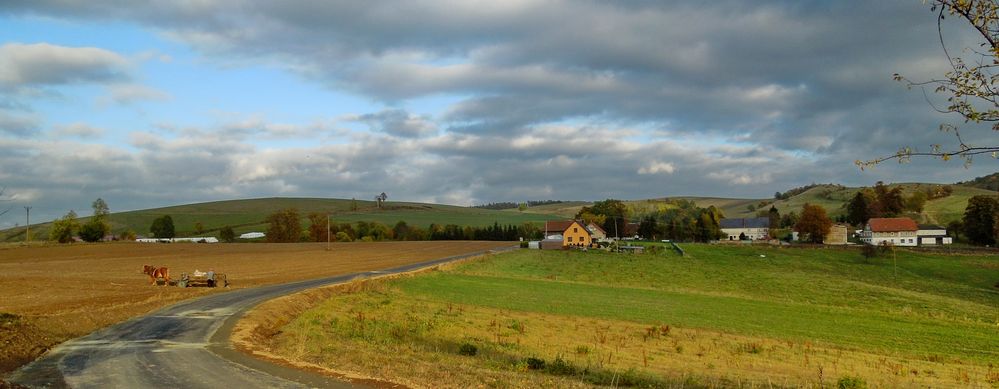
(182, 346)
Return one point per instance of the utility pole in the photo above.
(327, 232)
(27, 224)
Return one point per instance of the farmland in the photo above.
(722, 315)
(53, 293)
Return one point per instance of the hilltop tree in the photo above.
(162, 227)
(285, 226)
(971, 87)
(979, 220)
(813, 223)
(381, 199)
(62, 229)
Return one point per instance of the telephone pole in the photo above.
(327, 232)
(27, 224)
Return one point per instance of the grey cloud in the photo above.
(18, 125)
(398, 122)
(23, 65)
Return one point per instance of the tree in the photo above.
(98, 226)
(199, 228)
(317, 227)
(285, 226)
(648, 227)
(971, 87)
(162, 227)
(814, 223)
(774, 215)
(890, 201)
(858, 209)
(979, 220)
(916, 202)
(62, 229)
(227, 235)
(381, 199)
(522, 207)
(614, 213)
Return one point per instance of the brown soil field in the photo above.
(50, 294)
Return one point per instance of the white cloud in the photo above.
(79, 130)
(130, 93)
(657, 167)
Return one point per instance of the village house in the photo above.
(751, 228)
(897, 231)
(571, 232)
(596, 232)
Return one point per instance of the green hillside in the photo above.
(249, 215)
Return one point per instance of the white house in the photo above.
(596, 232)
(753, 228)
(897, 231)
(930, 235)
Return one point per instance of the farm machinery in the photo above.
(208, 279)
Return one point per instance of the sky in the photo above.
(462, 102)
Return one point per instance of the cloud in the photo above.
(77, 130)
(657, 167)
(130, 93)
(398, 122)
(42, 64)
(18, 125)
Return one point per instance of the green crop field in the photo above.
(752, 313)
(249, 215)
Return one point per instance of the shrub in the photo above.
(560, 367)
(227, 235)
(524, 244)
(468, 349)
(343, 237)
(851, 383)
(535, 363)
(869, 251)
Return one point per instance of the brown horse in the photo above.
(156, 272)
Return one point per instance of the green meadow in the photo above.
(720, 316)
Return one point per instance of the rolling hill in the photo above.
(249, 215)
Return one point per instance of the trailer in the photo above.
(208, 279)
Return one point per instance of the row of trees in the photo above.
(684, 221)
(285, 226)
(880, 201)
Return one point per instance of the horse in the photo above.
(156, 272)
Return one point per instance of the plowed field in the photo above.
(54, 293)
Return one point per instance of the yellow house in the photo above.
(573, 233)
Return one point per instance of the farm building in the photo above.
(252, 235)
(754, 228)
(930, 235)
(898, 231)
(837, 235)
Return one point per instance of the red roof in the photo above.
(558, 226)
(892, 224)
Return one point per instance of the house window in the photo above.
(575, 229)
(570, 239)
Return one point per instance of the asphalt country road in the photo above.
(185, 345)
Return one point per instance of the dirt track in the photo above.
(61, 292)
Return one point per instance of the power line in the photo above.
(27, 224)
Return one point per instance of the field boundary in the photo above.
(235, 339)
